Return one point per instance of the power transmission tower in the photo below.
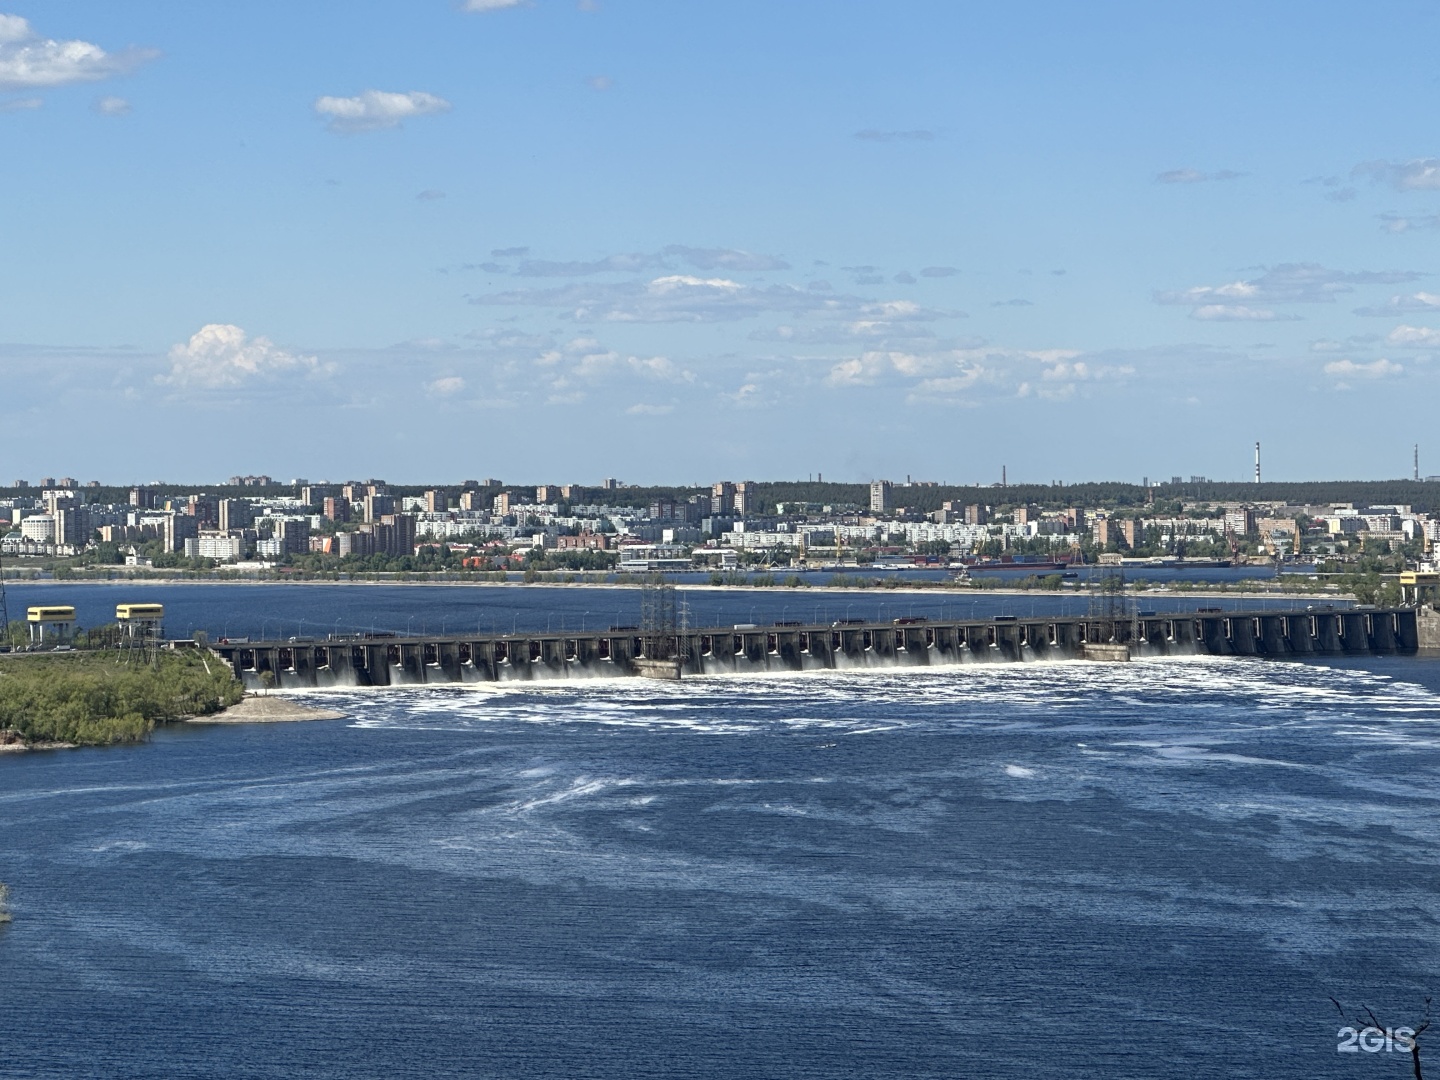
(4, 608)
(658, 624)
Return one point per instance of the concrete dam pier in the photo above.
(391, 660)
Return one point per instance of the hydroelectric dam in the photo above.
(393, 660)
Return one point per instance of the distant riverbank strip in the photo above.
(1299, 587)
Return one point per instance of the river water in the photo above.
(1157, 869)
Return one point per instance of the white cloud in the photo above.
(220, 355)
(1287, 283)
(112, 106)
(1195, 176)
(628, 262)
(600, 82)
(444, 387)
(1415, 337)
(1417, 174)
(375, 110)
(493, 5)
(1235, 313)
(641, 409)
(709, 259)
(20, 104)
(1376, 369)
(30, 62)
(725, 259)
(1396, 305)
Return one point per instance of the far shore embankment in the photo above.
(882, 586)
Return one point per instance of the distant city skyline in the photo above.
(668, 243)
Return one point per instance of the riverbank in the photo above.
(882, 586)
(99, 698)
(267, 709)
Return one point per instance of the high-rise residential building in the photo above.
(975, 514)
(436, 502)
(881, 497)
(294, 536)
(1240, 521)
(395, 535)
(361, 542)
(234, 514)
(377, 506)
(337, 509)
(176, 529)
(745, 499)
(722, 498)
(501, 503)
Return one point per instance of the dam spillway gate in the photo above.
(391, 660)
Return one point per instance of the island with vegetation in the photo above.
(105, 696)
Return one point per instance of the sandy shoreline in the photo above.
(267, 709)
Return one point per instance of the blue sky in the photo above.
(675, 242)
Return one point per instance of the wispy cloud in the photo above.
(377, 110)
(430, 195)
(600, 82)
(673, 298)
(30, 62)
(731, 259)
(1404, 304)
(112, 106)
(20, 104)
(1237, 313)
(1349, 369)
(1399, 223)
(447, 386)
(1414, 337)
(492, 5)
(626, 263)
(939, 271)
(1417, 174)
(672, 257)
(1195, 176)
(1288, 283)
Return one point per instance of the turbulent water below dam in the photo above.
(1163, 868)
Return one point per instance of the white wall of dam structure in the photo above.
(377, 660)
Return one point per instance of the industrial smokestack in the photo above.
(1417, 461)
(1257, 463)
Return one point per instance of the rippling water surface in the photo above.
(1156, 869)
